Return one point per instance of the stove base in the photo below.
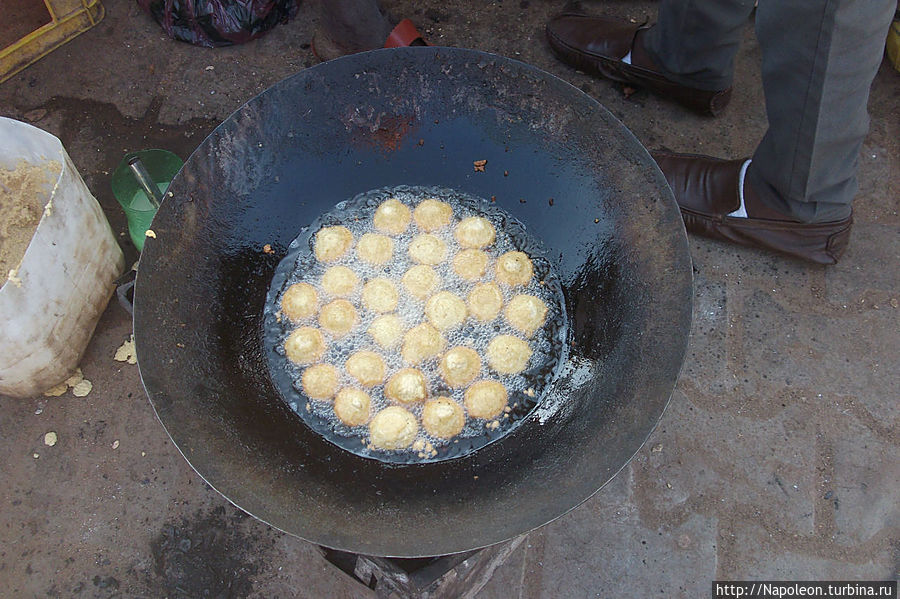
(455, 576)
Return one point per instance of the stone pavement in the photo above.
(778, 457)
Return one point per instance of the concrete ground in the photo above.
(778, 457)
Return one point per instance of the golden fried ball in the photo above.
(386, 330)
(421, 281)
(460, 366)
(304, 345)
(406, 386)
(393, 428)
(421, 343)
(443, 417)
(470, 265)
(514, 268)
(431, 215)
(427, 249)
(380, 295)
(320, 381)
(299, 301)
(507, 354)
(392, 217)
(475, 232)
(375, 249)
(367, 367)
(485, 399)
(485, 301)
(338, 317)
(445, 310)
(332, 243)
(352, 406)
(526, 313)
(339, 281)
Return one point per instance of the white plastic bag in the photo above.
(50, 303)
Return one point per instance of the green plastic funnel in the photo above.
(161, 166)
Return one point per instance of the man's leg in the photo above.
(694, 41)
(687, 57)
(819, 60)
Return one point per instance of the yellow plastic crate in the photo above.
(893, 43)
(68, 18)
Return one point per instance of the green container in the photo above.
(162, 166)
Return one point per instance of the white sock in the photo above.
(742, 211)
(627, 59)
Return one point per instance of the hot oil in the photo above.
(524, 389)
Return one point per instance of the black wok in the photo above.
(557, 160)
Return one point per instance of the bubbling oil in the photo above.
(524, 389)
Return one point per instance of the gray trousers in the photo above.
(819, 58)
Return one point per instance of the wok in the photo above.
(556, 159)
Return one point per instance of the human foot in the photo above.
(717, 202)
(612, 48)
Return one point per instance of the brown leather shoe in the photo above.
(597, 45)
(706, 190)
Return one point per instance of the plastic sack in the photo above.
(214, 23)
(51, 301)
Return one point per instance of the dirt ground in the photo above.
(778, 457)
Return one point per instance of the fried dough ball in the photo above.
(470, 265)
(514, 268)
(421, 281)
(485, 399)
(393, 428)
(427, 249)
(406, 386)
(431, 215)
(338, 317)
(367, 367)
(507, 354)
(386, 330)
(320, 381)
(352, 406)
(526, 313)
(299, 301)
(374, 248)
(332, 243)
(485, 301)
(445, 310)
(421, 343)
(380, 295)
(443, 417)
(304, 345)
(460, 366)
(475, 232)
(392, 217)
(339, 281)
